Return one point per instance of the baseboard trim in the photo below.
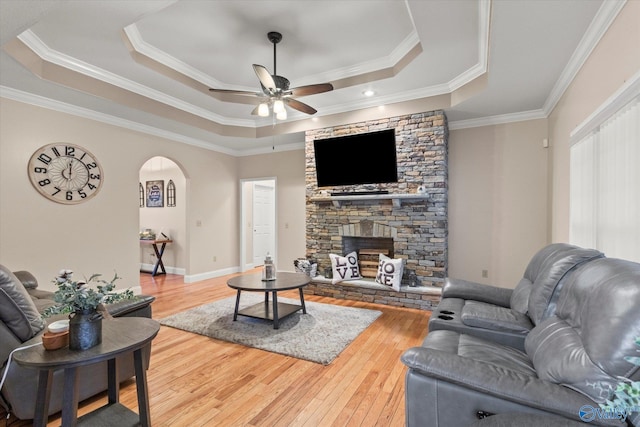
(210, 274)
(169, 270)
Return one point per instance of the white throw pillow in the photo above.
(345, 267)
(390, 272)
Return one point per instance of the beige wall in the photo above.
(288, 169)
(497, 200)
(614, 60)
(101, 235)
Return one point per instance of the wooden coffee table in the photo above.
(269, 310)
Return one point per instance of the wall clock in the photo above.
(65, 173)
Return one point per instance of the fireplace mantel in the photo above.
(397, 199)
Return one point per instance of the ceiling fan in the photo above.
(275, 92)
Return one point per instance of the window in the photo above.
(605, 181)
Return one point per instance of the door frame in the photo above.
(244, 265)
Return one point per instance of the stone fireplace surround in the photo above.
(416, 225)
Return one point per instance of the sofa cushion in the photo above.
(489, 316)
(390, 272)
(17, 309)
(584, 345)
(345, 267)
(480, 351)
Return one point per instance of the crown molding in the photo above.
(481, 67)
(629, 90)
(33, 42)
(604, 18)
(498, 120)
(141, 46)
(40, 101)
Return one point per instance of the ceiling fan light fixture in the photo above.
(278, 106)
(263, 110)
(282, 115)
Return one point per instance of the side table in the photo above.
(119, 336)
(159, 252)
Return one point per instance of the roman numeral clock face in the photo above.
(65, 173)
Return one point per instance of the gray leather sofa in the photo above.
(21, 324)
(507, 315)
(573, 360)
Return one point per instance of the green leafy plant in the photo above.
(78, 296)
(627, 393)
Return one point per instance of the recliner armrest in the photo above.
(27, 279)
(495, 380)
(458, 288)
(140, 306)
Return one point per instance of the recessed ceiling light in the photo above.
(368, 92)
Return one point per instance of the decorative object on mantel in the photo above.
(268, 270)
(421, 189)
(306, 266)
(85, 306)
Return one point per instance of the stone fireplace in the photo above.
(408, 225)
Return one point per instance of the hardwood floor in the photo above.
(198, 381)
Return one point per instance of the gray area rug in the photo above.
(318, 336)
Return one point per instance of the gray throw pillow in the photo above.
(17, 309)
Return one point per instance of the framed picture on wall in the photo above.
(155, 194)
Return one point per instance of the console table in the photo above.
(158, 252)
(123, 335)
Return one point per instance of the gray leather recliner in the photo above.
(507, 315)
(572, 362)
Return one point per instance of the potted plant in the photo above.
(85, 305)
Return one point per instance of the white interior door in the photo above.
(263, 222)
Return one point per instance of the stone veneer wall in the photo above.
(421, 224)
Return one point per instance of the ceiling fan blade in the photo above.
(265, 78)
(237, 96)
(235, 92)
(311, 89)
(300, 106)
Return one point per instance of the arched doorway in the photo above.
(162, 191)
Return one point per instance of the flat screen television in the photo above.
(366, 158)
